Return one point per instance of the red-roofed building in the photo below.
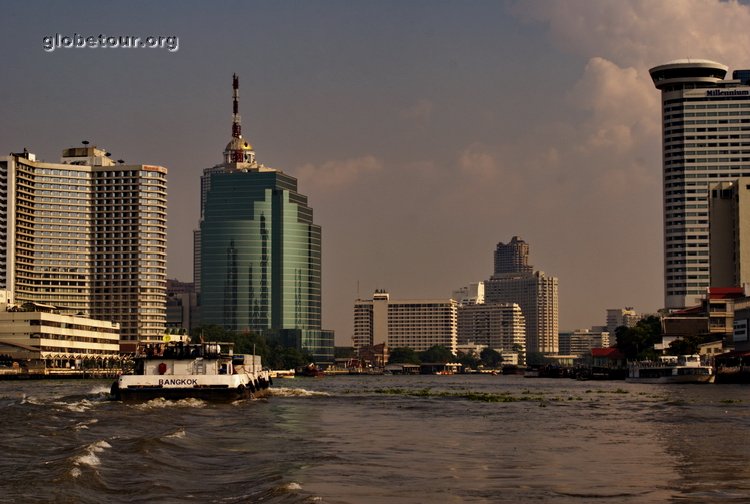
(608, 364)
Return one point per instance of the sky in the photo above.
(422, 132)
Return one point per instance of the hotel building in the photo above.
(706, 140)
(417, 324)
(581, 341)
(87, 236)
(500, 326)
(515, 281)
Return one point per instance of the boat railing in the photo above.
(181, 351)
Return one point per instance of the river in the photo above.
(377, 439)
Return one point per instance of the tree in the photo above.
(638, 342)
(403, 355)
(468, 360)
(437, 353)
(688, 345)
(283, 357)
(491, 358)
(273, 354)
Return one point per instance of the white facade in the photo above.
(470, 294)
(617, 317)
(537, 295)
(581, 341)
(706, 136)
(59, 337)
(500, 326)
(86, 235)
(416, 324)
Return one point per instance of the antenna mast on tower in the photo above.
(237, 155)
(236, 127)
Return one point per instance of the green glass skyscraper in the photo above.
(259, 264)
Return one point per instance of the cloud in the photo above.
(335, 175)
(623, 106)
(643, 33)
(477, 161)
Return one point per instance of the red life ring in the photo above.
(162, 368)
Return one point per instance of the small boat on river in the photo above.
(209, 371)
(670, 369)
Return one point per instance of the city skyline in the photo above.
(422, 133)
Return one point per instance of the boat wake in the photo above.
(85, 425)
(178, 434)
(296, 392)
(76, 406)
(89, 457)
(161, 403)
(31, 400)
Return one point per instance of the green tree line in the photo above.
(273, 354)
(488, 358)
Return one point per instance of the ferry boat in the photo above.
(180, 370)
(670, 369)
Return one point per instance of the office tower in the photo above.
(181, 304)
(729, 233)
(260, 251)
(499, 326)
(417, 324)
(706, 139)
(88, 236)
(515, 281)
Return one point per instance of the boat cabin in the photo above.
(194, 359)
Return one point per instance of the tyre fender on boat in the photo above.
(114, 391)
(241, 390)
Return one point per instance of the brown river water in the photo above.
(381, 439)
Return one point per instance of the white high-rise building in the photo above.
(417, 324)
(515, 281)
(500, 326)
(88, 236)
(617, 317)
(706, 139)
(581, 341)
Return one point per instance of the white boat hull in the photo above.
(199, 371)
(672, 379)
(208, 387)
